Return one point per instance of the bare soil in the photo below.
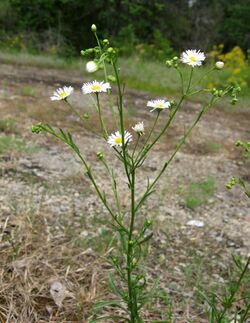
(53, 228)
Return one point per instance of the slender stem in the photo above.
(132, 304)
(114, 186)
(104, 130)
(182, 80)
(204, 75)
(120, 108)
(74, 111)
(230, 300)
(111, 105)
(136, 144)
(190, 80)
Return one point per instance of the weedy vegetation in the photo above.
(133, 294)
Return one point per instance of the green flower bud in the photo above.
(169, 63)
(131, 242)
(238, 143)
(105, 41)
(93, 28)
(37, 128)
(234, 101)
(148, 223)
(99, 155)
(220, 93)
(115, 260)
(110, 50)
(86, 116)
(111, 78)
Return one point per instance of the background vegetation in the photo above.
(62, 26)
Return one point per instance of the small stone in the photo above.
(196, 223)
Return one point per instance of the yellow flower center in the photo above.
(118, 140)
(192, 59)
(96, 87)
(160, 106)
(63, 95)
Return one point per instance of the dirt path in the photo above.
(51, 221)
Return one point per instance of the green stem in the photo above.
(114, 186)
(104, 130)
(120, 108)
(74, 111)
(136, 144)
(231, 299)
(132, 303)
(111, 105)
(189, 82)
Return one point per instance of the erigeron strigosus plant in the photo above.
(131, 286)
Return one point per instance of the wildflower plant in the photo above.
(238, 180)
(129, 283)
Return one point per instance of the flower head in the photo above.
(158, 105)
(62, 93)
(91, 67)
(95, 87)
(116, 139)
(193, 57)
(219, 65)
(139, 128)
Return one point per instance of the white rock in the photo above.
(196, 223)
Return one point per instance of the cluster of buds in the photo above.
(37, 128)
(235, 91)
(233, 181)
(244, 145)
(99, 55)
(174, 62)
(217, 93)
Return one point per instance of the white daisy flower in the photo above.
(193, 57)
(95, 87)
(91, 67)
(62, 93)
(139, 128)
(158, 105)
(116, 138)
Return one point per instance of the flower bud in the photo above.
(93, 28)
(37, 128)
(111, 78)
(219, 65)
(86, 116)
(99, 155)
(91, 67)
(148, 223)
(234, 101)
(110, 50)
(169, 63)
(105, 41)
